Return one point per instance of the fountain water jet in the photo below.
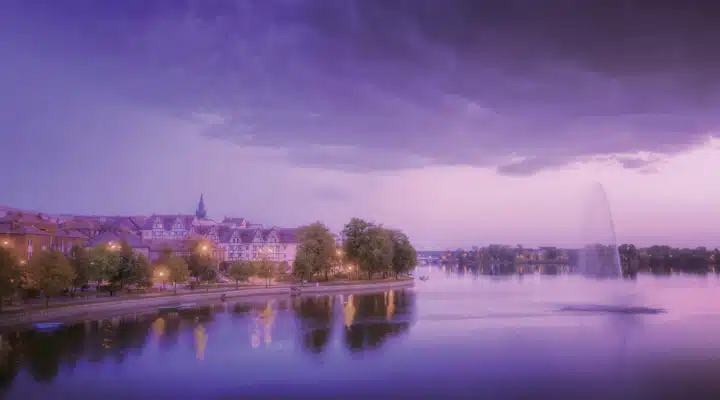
(599, 258)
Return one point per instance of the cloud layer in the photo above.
(363, 85)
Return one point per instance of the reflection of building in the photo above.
(349, 311)
(389, 304)
(158, 327)
(267, 319)
(201, 339)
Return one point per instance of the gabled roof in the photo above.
(25, 218)
(168, 221)
(8, 228)
(247, 235)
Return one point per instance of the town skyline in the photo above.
(201, 213)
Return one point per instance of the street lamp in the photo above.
(162, 275)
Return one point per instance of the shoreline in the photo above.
(143, 305)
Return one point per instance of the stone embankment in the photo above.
(150, 304)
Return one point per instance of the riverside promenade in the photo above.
(149, 303)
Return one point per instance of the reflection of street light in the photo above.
(5, 242)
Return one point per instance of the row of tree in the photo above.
(112, 268)
(666, 257)
(367, 248)
(631, 257)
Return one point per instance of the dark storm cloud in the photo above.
(415, 82)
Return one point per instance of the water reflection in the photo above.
(377, 319)
(315, 316)
(361, 322)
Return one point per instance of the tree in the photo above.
(202, 266)
(368, 246)
(178, 271)
(85, 270)
(378, 253)
(317, 251)
(240, 271)
(404, 254)
(10, 274)
(50, 272)
(119, 267)
(103, 262)
(265, 269)
(303, 265)
(355, 239)
(141, 275)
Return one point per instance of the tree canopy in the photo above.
(10, 274)
(316, 253)
(240, 271)
(50, 272)
(202, 266)
(178, 271)
(375, 249)
(404, 254)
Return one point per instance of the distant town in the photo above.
(231, 239)
(658, 258)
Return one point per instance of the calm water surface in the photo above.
(450, 337)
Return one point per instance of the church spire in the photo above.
(201, 212)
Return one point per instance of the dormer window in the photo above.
(158, 224)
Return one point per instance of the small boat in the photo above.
(45, 326)
(295, 291)
(168, 309)
(424, 278)
(186, 306)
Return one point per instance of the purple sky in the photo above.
(461, 122)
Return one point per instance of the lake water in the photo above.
(450, 337)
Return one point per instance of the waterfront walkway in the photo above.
(149, 302)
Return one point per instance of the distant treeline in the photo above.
(633, 259)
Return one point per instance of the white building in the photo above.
(239, 239)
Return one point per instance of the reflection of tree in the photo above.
(315, 315)
(44, 352)
(378, 317)
(9, 359)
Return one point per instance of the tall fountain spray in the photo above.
(599, 256)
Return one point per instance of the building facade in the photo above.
(28, 234)
(232, 239)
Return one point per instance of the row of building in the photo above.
(231, 239)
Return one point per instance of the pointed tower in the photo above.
(201, 213)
